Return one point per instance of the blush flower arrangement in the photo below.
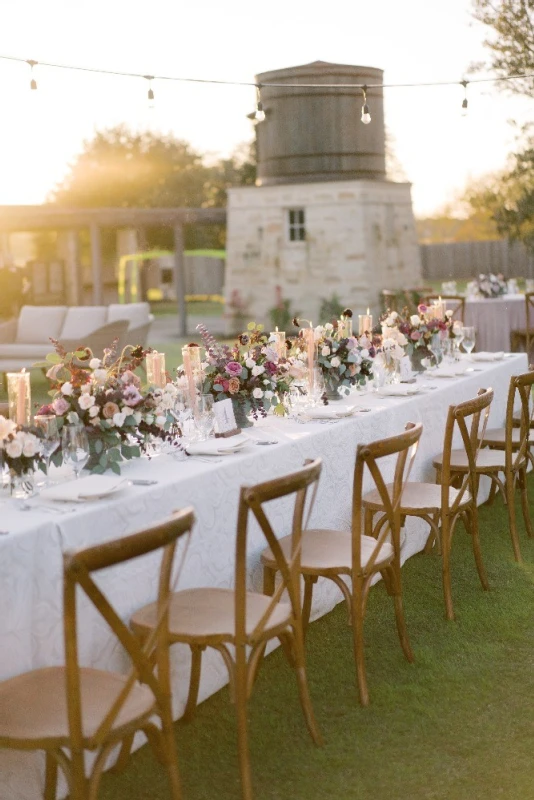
(413, 332)
(20, 447)
(250, 372)
(490, 285)
(106, 396)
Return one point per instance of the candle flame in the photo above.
(276, 329)
(367, 311)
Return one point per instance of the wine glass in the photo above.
(436, 348)
(469, 339)
(75, 447)
(205, 418)
(317, 388)
(47, 424)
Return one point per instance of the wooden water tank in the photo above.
(316, 134)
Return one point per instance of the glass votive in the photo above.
(155, 369)
(19, 397)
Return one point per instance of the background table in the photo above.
(31, 633)
(494, 319)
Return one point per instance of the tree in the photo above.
(146, 170)
(511, 40)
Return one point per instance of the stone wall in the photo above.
(360, 238)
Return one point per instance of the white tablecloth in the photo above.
(494, 319)
(31, 553)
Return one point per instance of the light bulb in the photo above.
(151, 98)
(366, 117)
(464, 107)
(260, 113)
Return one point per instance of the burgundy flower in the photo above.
(415, 336)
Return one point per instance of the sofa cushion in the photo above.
(137, 314)
(38, 324)
(37, 351)
(82, 320)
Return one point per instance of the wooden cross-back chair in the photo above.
(68, 710)
(453, 302)
(231, 621)
(510, 452)
(333, 554)
(442, 506)
(524, 336)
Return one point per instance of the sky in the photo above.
(412, 41)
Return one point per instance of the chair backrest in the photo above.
(529, 306)
(388, 300)
(520, 389)
(252, 500)
(470, 418)
(404, 446)
(77, 570)
(453, 302)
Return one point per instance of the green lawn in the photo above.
(455, 725)
(197, 309)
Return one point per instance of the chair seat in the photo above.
(329, 550)
(33, 706)
(487, 461)
(209, 614)
(496, 437)
(417, 497)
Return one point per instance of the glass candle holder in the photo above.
(279, 342)
(19, 397)
(155, 369)
(344, 328)
(193, 373)
(365, 323)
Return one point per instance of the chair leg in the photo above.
(358, 643)
(309, 580)
(78, 781)
(475, 537)
(124, 755)
(492, 495)
(446, 567)
(194, 683)
(400, 619)
(50, 778)
(368, 522)
(242, 722)
(296, 644)
(169, 744)
(524, 502)
(512, 522)
(269, 576)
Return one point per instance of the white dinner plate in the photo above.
(80, 490)
(398, 390)
(329, 412)
(219, 447)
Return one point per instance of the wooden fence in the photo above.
(465, 260)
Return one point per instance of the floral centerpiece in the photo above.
(20, 452)
(344, 361)
(106, 396)
(250, 373)
(413, 333)
(490, 285)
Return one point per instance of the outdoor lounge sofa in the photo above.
(25, 340)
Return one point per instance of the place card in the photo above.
(225, 419)
(405, 369)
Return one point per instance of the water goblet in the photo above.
(317, 388)
(469, 338)
(75, 447)
(205, 419)
(47, 424)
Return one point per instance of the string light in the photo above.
(366, 116)
(33, 82)
(259, 115)
(150, 94)
(464, 83)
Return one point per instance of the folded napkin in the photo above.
(92, 487)
(484, 356)
(329, 412)
(218, 447)
(451, 371)
(397, 390)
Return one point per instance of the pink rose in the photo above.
(225, 384)
(234, 369)
(415, 336)
(60, 406)
(131, 396)
(422, 308)
(130, 379)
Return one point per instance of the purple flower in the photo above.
(60, 406)
(234, 369)
(131, 396)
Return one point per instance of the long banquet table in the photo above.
(495, 319)
(31, 552)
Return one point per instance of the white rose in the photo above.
(138, 417)
(325, 351)
(160, 420)
(266, 382)
(100, 375)
(328, 326)
(364, 353)
(335, 362)
(415, 320)
(258, 370)
(118, 419)
(7, 426)
(171, 389)
(31, 446)
(268, 395)
(390, 322)
(250, 363)
(95, 363)
(402, 341)
(258, 394)
(94, 411)
(149, 419)
(86, 401)
(449, 312)
(67, 388)
(393, 315)
(14, 448)
(72, 417)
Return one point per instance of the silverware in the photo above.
(139, 482)
(264, 441)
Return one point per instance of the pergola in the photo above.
(47, 217)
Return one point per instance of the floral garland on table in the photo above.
(490, 285)
(106, 396)
(345, 361)
(251, 372)
(20, 447)
(410, 334)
